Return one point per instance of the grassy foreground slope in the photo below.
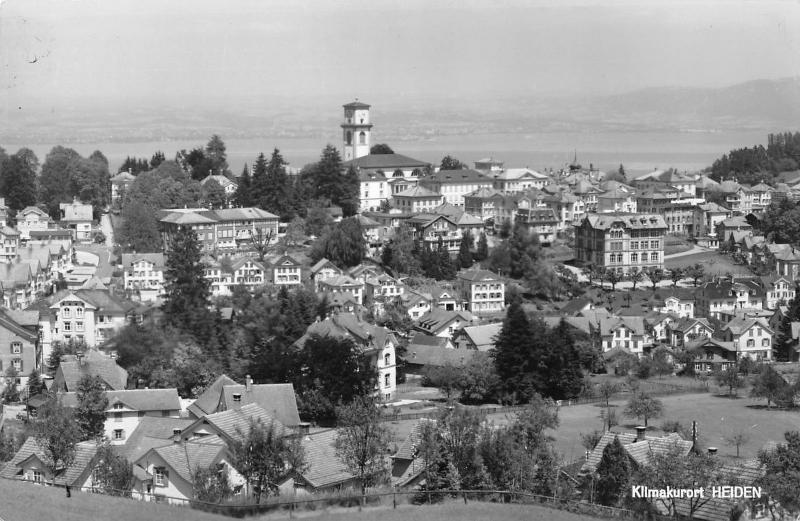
(28, 502)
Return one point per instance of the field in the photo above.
(717, 418)
(713, 262)
(28, 502)
(455, 511)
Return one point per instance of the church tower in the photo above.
(356, 130)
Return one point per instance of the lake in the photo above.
(638, 151)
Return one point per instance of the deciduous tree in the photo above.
(90, 414)
(56, 433)
(643, 406)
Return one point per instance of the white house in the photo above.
(143, 275)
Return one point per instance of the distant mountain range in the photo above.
(768, 105)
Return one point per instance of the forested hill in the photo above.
(752, 165)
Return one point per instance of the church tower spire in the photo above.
(356, 130)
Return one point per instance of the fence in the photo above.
(376, 499)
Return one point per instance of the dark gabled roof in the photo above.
(208, 402)
(152, 432)
(478, 276)
(423, 340)
(278, 400)
(426, 355)
(233, 421)
(84, 454)
(367, 336)
(465, 175)
(576, 306)
(385, 162)
(482, 335)
(639, 451)
(136, 399)
(157, 259)
(636, 221)
(185, 458)
(356, 105)
(7, 322)
(94, 363)
(324, 469)
(437, 318)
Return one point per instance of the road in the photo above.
(695, 250)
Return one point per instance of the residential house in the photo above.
(787, 262)
(751, 337)
(639, 447)
(541, 221)
(127, 407)
(30, 464)
(31, 219)
(779, 290)
(323, 269)
(218, 230)
(716, 298)
(341, 284)
(89, 315)
(483, 203)
(325, 471)
(89, 363)
(19, 346)
(489, 165)
(429, 229)
(77, 216)
(678, 302)
(617, 200)
(376, 343)
(713, 354)
(230, 424)
(479, 338)
(658, 179)
(374, 190)
(416, 303)
(248, 273)
(287, 272)
(624, 242)
(568, 208)
(623, 332)
(120, 184)
(483, 292)
(735, 224)
(416, 199)
(143, 275)
(706, 217)
(455, 184)
(9, 243)
(421, 357)
(18, 283)
(688, 330)
(443, 323)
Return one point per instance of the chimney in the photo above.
(113, 355)
(640, 432)
(712, 451)
(248, 383)
(176, 435)
(304, 428)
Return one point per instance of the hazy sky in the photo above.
(194, 50)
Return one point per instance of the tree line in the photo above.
(752, 165)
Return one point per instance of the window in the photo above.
(765, 342)
(654, 257)
(165, 413)
(119, 434)
(37, 476)
(751, 343)
(16, 348)
(17, 363)
(79, 326)
(159, 476)
(387, 359)
(79, 312)
(362, 138)
(387, 379)
(67, 326)
(67, 313)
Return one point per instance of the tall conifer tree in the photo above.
(187, 290)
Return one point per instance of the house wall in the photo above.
(24, 361)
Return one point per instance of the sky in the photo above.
(107, 51)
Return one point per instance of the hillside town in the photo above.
(177, 333)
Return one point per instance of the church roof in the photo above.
(385, 162)
(356, 105)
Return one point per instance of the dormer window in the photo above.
(117, 405)
(237, 397)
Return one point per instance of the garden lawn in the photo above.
(28, 502)
(454, 511)
(713, 262)
(717, 417)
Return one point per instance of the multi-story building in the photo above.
(376, 343)
(706, 217)
(9, 242)
(780, 291)
(19, 347)
(120, 184)
(143, 275)
(31, 219)
(483, 292)
(374, 190)
(514, 180)
(228, 185)
(725, 297)
(343, 284)
(287, 272)
(617, 200)
(621, 241)
(77, 216)
(226, 229)
(625, 332)
(324, 269)
(541, 221)
(455, 184)
(751, 337)
(686, 184)
(428, 229)
(568, 208)
(416, 199)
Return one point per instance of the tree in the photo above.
(274, 187)
(214, 195)
(18, 182)
(447, 378)
(781, 478)
(655, 275)
(35, 383)
(451, 163)
(266, 456)
(464, 259)
(769, 384)
(216, 156)
(482, 250)
(362, 441)
(210, 485)
(56, 434)
(662, 365)
(635, 277)
(607, 390)
(643, 406)
(10, 389)
(185, 286)
(696, 272)
(260, 239)
(381, 148)
(729, 377)
(613, 277)
(139, 230)
(243, 196)
(343, 244)
(295, 232)
(613, 474)
(90, 414)
(114, 473)
(675, 274)
(737, 439)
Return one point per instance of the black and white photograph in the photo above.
(356, 260)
